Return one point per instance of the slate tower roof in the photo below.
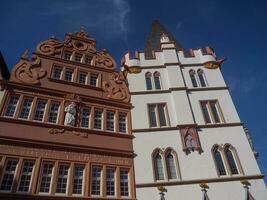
(153, 39)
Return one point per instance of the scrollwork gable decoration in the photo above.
(116, 88)
(190, 139)
(50, 47)
(103, 59)
(29, 72)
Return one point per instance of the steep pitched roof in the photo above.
(153, 38)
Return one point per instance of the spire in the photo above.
(154, 37)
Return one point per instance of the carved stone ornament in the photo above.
(73, 97)
(56, 131)
(116, 88)
(50, 47)
(29, 72)
(103, 59)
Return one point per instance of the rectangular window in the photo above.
(157, 115)
(122, 122)
(93, 80)
(85, 117)
(39, 111)
(87, 60)
(96, 180)
(82, 78)
(78, 58)
(110, 120)
(53, 114)
(11, 106)
(68, 75)
(26, 107)
(67, 55)
(211, 111)
(124, 182)
(26, 176)
(46, 176)
(78, 179)
(8, 175)
(62, 178)
(98, 119)
(57, 73)
(110, 181)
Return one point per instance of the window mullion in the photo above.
(53, 183)
(32, 110)
(34, 182)
(17, 176)
(157, 115)
(19, 106)
(210, 112)
(70, 179)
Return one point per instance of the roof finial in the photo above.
(25, 55)
(164, 38)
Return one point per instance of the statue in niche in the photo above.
(70, 114)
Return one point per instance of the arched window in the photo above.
(148, 81)
(231, 160)
(192, 74)
(170, 163)
(190, 142)
(201, 77)
(219, 161)
(157, 80)
(158, 167)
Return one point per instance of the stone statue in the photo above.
(70, 114)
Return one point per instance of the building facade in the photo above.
(189, 140)
(65, 125)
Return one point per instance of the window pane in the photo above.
(219, 162)
(152, 115)
(12, 105)
(85, 117)
(110, 121)
(231, 161)
(96, 180)
(78, 58)
(124, 182)
(46, 176)
(53, 112)
(158, 167)
(87, 60)
(82, 78)
(62, 178)
(193, 78)
(205, 112)
(26, 176)
(93, 80)
(162, 119)
(68, 75)
(171, 166)
(148, 83)
(157, 82)
(57, 73)
(8, 176)
(201, 78)
(78, 179)
(39, 111)
(26, 107)
(67, 55)
(110, 181)
(98, 119)
(122, 122)
(215, 112)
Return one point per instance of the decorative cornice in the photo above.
(199, 181)
(183, 125)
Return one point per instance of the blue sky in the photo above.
(236, 30)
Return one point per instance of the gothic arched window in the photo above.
(148, 81)
(158, 167)
(231, 160)
(157, 80)
(170, 163)
(201, 77)
(192, 74)
(219, 161)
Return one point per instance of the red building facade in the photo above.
(65, 125)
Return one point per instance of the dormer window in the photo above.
(67, 55)
(87, 60)
(78, 58)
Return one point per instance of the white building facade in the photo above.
(189, 140)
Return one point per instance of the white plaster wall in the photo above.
(198, 58)
(219, 191)
(213, 77)
(193, 165)
(225, 102)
